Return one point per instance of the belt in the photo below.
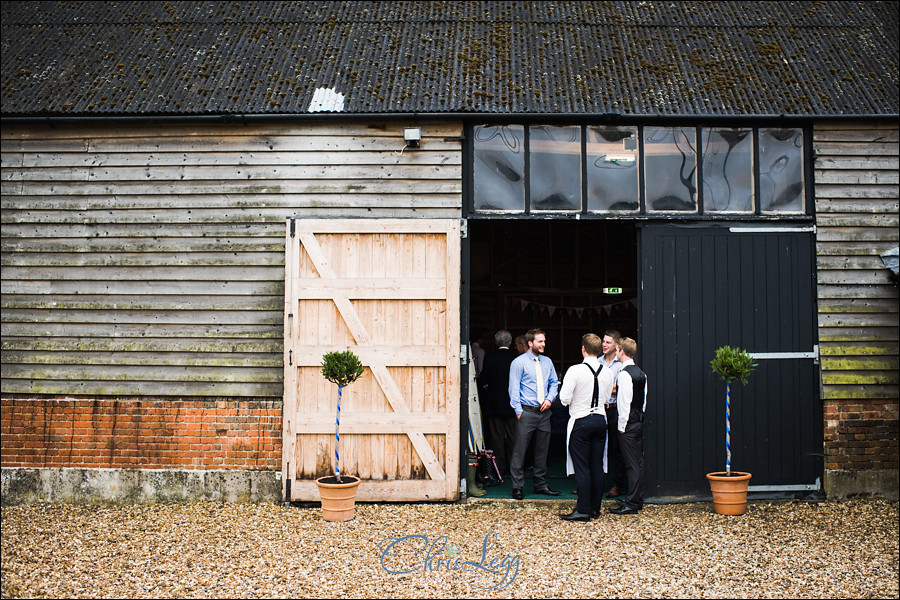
(531, 408)
(608, 404)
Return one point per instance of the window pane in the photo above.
(612, 168)
(499, 168)
(727, 170)
(555, 168)
(781, 170)
(670, 168)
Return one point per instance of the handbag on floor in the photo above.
(487, 470)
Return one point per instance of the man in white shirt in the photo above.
(586, 388)
(611, 339)
(632, 402)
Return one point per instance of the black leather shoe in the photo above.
(517, 493)
(575, 516)
(625, 510)
(547, 492)
(595, 514)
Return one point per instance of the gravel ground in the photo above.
(778, 549)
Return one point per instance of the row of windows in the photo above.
(543, 168)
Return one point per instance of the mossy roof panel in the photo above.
(507, 57)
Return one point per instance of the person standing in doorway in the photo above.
(478, 352)
(521, 344)
(585, 389)
(500, 419)
(522, 348)
(532, 387)
(609, 361)
(631, 404)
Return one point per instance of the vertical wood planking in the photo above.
(384, 251)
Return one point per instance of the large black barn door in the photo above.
(703, 287)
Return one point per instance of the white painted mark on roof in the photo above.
(326, 100)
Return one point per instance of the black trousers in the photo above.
(632, 445)
(501, 438)
(586, 444)
(613, 451)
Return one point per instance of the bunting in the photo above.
(579, 312)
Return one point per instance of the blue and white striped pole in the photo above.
(727, 427)
(337, 437)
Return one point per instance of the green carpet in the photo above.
(556, 477)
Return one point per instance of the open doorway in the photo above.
(566, 277)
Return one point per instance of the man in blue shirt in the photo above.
(532, 387)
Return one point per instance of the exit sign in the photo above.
(612, 290)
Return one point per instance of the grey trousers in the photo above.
(537, 425)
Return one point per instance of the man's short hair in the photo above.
(531, 333)
(592, 344)
(628, 346)
(615, 335)
(503, 338)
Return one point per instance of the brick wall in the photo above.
(861, 434)
(128, 433)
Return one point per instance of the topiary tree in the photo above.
(341, 368)
(731, 364)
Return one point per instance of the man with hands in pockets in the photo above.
(532, 388)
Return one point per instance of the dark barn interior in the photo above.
(551, 274)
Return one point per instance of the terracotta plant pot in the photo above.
(338, 499)
(729, 492)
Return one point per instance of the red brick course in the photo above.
(131, 433)
(862, 434)
(190, 433)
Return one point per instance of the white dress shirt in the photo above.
(625, 394)
(615, 366)
(578, 392)
(578, 388)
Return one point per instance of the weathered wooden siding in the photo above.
(856, 174)
(149, 260)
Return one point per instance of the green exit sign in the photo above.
(612, 290)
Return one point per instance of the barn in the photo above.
(200, 199)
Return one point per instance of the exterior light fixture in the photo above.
(412, 136)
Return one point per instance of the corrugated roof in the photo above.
(508, 57)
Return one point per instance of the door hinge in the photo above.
(814, 354)
(463, 354)
(463, 228)
(287, 485)
(774, 229)
(292, 227)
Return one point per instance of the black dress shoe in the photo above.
(595, 514)
(547, 492)
(625, 510)
(517, 493)
(575, 516)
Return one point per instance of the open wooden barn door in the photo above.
(389, 290)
